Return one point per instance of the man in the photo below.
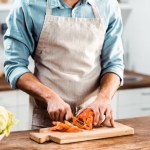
(78, 54)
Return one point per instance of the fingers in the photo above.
(112, 120)
(51, 114)
(96, 117)
(107, 118)
(109, 121)
(101, 116)
(58, 109)
(62, 115)
(56, 115)
(68, 113)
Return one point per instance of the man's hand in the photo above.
(102, 112)
(101, 106)
(58, 109)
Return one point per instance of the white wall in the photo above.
(3, 15)
(136, 37)
(2, 20)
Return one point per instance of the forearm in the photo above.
(108, 86)
(56, 107)
(31, 85)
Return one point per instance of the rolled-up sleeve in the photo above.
(112, 52)
(18, 44)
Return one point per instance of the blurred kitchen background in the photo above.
(131, 100)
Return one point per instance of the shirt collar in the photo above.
(85, 1)
(56, 3)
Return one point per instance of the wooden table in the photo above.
(139, 141)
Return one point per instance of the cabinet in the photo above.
(17, 102)
(133, 103)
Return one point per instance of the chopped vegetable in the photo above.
(85, 119)
(64, 127)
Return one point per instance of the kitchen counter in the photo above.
(130, 83)
(135, 80)
(4, 86)
(140, 140)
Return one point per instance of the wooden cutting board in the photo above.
(45, 134)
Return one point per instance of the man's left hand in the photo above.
(102, 112)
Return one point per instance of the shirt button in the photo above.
(73, 14)
(8, 47)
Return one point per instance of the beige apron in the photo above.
(67, 60)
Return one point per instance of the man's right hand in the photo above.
(58, 109)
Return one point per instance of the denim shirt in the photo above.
(25, 22)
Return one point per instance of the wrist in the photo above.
(47, 95)
(104, 97)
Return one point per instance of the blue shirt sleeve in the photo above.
(112, 52)
(18, 43)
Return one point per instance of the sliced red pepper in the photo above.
(85, 119)
(64, 127)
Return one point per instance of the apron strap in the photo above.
(94, 8)
(48, 9)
